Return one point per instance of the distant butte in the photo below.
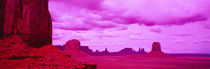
(156, 51)
(73, 44)
(72, 47)
(156, 46)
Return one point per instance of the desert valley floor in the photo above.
(139, 62)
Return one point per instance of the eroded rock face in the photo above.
(156, 46)
(29, 19)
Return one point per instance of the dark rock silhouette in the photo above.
(142, 51)
(125, 51)
(72, 47)
(29, 19)
(86, 49)
(156, 46)
(156, 51)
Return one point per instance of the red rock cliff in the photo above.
(30, 19)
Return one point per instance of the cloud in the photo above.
(182, 35)
(206, 41)
(127, 23)
(74, 28)
(57, 34)
(88, 4)
(105, 36)
(159, 12)
(156, 30)
(111, 13)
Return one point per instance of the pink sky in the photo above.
(181, 26)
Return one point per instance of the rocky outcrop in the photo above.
(29, 19)
(142, 51)
(156, 46)
(156, 51)
(72, 47)
(13, 46)
(15, 54)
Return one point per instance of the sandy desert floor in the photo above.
(138, 62)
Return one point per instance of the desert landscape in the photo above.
(139, 62)
(104, 34)
(155, 59)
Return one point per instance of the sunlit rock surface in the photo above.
(15, 54)
(13, 46)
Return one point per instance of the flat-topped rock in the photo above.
(72, 47)
(156, 51)
(73, 44)
(156, 46)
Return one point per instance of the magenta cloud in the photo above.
(88, 4)
(112, 23)
(150, 13)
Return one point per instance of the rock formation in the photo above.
(29, 19)
(142, 51)
(13, 45)
(73, 44)
(156, 51)
(15, 54)
(72, 47)
(156, 46)
(86, 49)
